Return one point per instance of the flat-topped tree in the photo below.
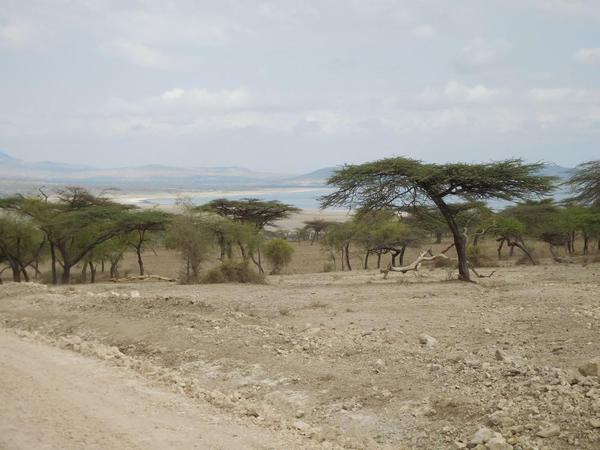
(144, 225)
(74, 224)
(401, 182)
(260, 213)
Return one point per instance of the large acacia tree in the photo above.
(401, 182)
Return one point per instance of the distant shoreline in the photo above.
(146, 197)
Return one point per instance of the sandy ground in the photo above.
(56, 399)
(335, 360)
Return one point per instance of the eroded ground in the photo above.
(339, 360)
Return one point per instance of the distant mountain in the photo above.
(5, 158)
(316, 178)
(16, 174)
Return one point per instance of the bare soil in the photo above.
(330, 360)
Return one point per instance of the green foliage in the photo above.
(250, 210)
(279, 253)
(189, 234)
(585, 182)
(233, 272)
(400, 183)
(21, 244)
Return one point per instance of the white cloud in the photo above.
(456, 92)
(139, 54)
(577, 8)
(18, 33)
(481, 54)
(423, 31)
(587, 56)
(565, 95)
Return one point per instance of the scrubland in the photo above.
(342, 359)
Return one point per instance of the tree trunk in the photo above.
(102, 265)
(138, 251)
(66, 274)
(379, 259)
(348, 257)
(16, 271)
(114, 269)
(92, 272)
(84, 273)
(586, 240)
(366, 263)
(460, 240)
(438, 237)
(53, 259)
(501, 241)
(402, 252)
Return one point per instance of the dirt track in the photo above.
(335, 360)
(56, 399)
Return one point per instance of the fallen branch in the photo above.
(131, 278)
(426, 257)
(414, 266)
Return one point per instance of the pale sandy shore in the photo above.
(153, 199)
(150, 197)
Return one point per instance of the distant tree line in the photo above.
(74, 227)
(399, 204)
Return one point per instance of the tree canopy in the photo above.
(401, 182)
(585, 182)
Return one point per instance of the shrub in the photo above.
(443, 263)
(233, 272)
(279, 253)
(328, 267)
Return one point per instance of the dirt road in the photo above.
(55, 399)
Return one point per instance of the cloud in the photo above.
(139, 54)
(456, 92)
(18, 34)
(481, 54)
(423, 31)
(587, 56)
(565, 95)
(576, 8)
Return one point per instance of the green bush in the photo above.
(233, 272)
(279, 253)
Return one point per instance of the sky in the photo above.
(292, 86)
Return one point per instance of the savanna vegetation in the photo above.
(400, 206)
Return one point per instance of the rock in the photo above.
(482, 435)
(134, 294)
(502, 356)
(301, 426)
(595, 423)
(501, 418)
(591, 368)
(498, 443)
(427, 341)
(549, 431)
(487, 331)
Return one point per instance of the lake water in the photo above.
(301, 198)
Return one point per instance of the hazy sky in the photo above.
(296, 85)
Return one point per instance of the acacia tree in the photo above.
(400, 182)
(316, 227)
(21, 245)
(74, 224)
(249, 211)
(382, 232)
(585, 183)
(144, 226)
(188, 234)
